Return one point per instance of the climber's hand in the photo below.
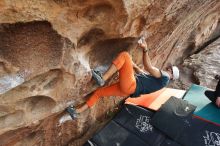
(142, 43)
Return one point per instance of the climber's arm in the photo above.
(148, 66)
(147, 62)
(137, 69)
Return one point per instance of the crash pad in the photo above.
(154, 100)
(174, 114)
(130, 127)
(200, 133)
(113, 134)
(169, 142)
(137, 120)
(205, 109)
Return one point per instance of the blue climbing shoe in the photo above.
(72, 111)
(98, 77)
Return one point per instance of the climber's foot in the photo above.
(72, 111)
(98, 77)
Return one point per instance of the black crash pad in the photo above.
(169, 142)
(138, 121)
(173, 117)
(115, 135)
(130, 127)
(200, 133)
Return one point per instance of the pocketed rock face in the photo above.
(206, 64)
(48, 47)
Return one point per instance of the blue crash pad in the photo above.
(205, 109)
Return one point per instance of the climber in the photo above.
(129, 84)
(214, 96)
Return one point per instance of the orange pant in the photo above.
(126, 84)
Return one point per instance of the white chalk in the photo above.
(64, 118)
(10, 81)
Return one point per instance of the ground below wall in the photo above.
(48, 48)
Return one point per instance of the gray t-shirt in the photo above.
(146, 84)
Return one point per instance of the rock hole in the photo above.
(90, 36)
(38, 106)
(104, 51)
(101, 12)
(31, 46)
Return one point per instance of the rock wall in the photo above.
(48, 47)
(206, 64)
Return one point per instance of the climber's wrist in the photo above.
(145, 49)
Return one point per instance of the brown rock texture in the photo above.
(48, 48)
(206, 64)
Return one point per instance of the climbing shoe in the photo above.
(98, 77)
(72, 111)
